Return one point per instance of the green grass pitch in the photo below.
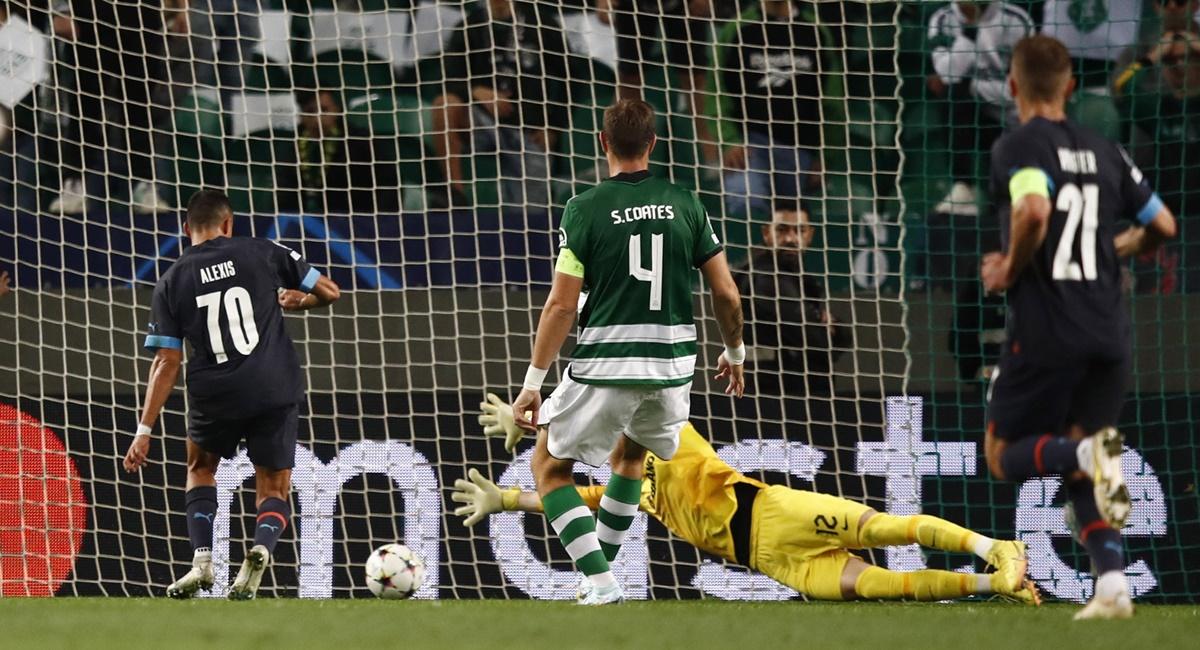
(125, 623)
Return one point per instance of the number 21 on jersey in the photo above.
(1081, 207)
(239, 311)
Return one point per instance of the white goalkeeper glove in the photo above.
(497, 420)
(481, 498)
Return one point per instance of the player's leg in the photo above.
(861, 580)
(271, 446)
(570, 517)
(201, 503)
(619, 505)
(878, 529)
(582, 423)
(1097, 407)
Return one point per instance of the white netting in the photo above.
(366, 135)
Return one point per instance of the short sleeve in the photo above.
(1018, 171)
(292, 270)
(572, 237)
(707, 244)
(164, 330)
(1139, 201)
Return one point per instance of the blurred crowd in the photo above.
(306, 98)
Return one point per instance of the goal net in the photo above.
(420, 153)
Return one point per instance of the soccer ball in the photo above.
(393, 572)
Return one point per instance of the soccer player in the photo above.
(799, 538)
(1056, 394)
(633, 241)
(224, 295)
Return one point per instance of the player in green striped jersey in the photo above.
(632, 242)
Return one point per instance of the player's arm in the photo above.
(1029, 191)
(727, 305)
(164, 371)
(324, 292)
(558, 315)
(1139, 240)
(1155, 222)
(304, 287)
(481, 497)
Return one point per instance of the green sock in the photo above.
(618, 507)
(571, 519)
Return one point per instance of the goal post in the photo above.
(366, 135)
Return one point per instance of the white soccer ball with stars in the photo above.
(394, 572)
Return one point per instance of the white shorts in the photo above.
(585, 421)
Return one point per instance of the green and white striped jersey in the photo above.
(635, 240)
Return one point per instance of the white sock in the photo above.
(1112, 584)
(1083, 454)
(983, 583)
(601, 580)
(983, 545)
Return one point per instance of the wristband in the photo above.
(509, 498)
(534, 378)
(142, 430)
(735, 356)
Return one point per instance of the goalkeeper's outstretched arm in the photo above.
(481, 497)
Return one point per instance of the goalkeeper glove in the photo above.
(497, 420)
(482, 498)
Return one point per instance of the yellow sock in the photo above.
(930, 584)
(883, 529)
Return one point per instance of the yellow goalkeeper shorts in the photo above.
(799, 539)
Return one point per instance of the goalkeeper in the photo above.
(801, 539)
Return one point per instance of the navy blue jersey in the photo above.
(1067, 305)
(222, 297)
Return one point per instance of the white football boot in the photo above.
(199, 577)
(72, 198)
(1100, 456)
(610, 595)
(245, 586)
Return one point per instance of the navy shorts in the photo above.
(1029, 399)
(270, 437)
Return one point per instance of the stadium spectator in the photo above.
(21, 43)
(213, 42)
(795, 339)
(590, 33)
(772, 73)
(5, 289)
(674, 33)
(505, 67)
(120, 57)
(1095, 32)
(1158, 95)
(972, 42)
(340, 169)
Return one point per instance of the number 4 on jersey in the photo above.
(1079, 205)
(653, 275)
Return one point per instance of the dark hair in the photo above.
(786, 205)
(207, 208)
(629, 128)
(1042, 67)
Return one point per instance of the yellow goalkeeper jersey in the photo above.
(691, 494)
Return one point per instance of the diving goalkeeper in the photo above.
(801, 539)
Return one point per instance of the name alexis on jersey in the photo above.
(217, 272)
(642, 212)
